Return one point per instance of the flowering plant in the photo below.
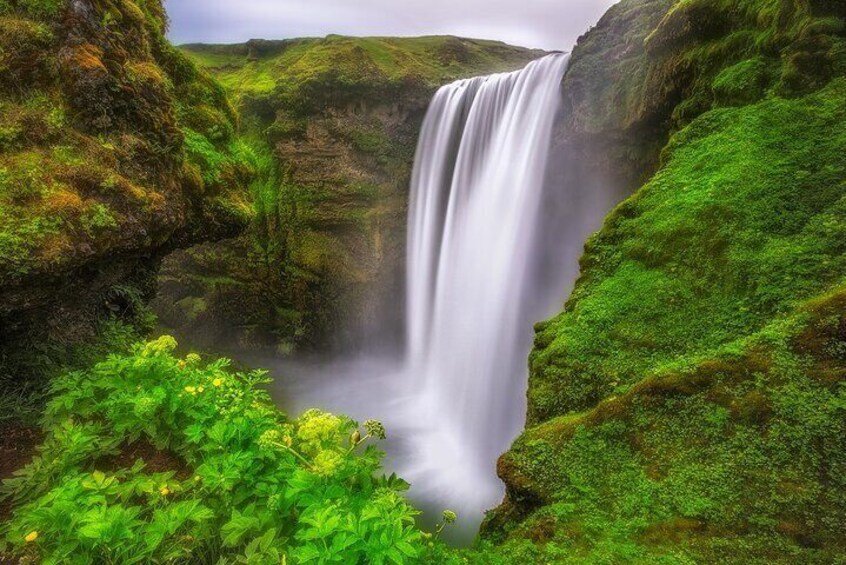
(224, 476)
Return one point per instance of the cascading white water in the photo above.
(476, 198)
(492, 248)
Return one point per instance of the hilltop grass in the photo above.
(294, 63)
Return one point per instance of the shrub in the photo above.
(222, 476)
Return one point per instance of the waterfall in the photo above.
(496, 227)
(474, 291)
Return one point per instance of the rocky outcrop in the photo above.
(114, 149)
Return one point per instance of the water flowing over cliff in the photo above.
(475, 282)
(489, 223)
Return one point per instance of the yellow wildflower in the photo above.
(164, 344)
(217, 382)
(190, 389)
(269, 439)
(326, 463)
(164, 491)
(31, 537)
(316, 426)
(201, 389)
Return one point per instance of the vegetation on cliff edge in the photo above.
(114, 148)
(688, 404)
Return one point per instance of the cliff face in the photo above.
(113, 149)
(689, 403)
(336, 120)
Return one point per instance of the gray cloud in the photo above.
(549, 24)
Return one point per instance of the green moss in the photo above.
(736, 461)
(742, 83)
(97, 218)
(106, 133)
(45, 9)
(193, 307)
(706, 240)
(102, 132)
(684, 407)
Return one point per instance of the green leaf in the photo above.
(238, 527)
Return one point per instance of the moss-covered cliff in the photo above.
(689, 404)
(337, 122)
(114, 148)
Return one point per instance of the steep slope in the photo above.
(338, 119)
(114, 148)
(688, 406)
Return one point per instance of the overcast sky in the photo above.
(549, 24)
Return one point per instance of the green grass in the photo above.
(685, 407)
(294, 63)
(734, 459)
(742, 223)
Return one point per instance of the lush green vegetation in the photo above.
(114, 147)
(742, 223)
(70, 142)
(153, 458)
(686, 406)
(307, 72)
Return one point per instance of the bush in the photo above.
(151, 458)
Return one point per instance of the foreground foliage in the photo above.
(151, 458)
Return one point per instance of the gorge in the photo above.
(481, 221)
(666, 204)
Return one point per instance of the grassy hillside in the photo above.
(337, 119)
(687, 405)
(260, 66)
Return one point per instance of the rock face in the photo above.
(336, 120)
(106, 137)
(688, 405)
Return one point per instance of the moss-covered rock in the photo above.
(688, 404)
(114, 148)
(335, 122)
(650, 67)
